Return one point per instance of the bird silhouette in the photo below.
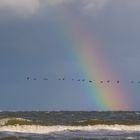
(108, 81)
(28, 78)
(118, 82)
(45, 79)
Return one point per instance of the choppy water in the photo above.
(69, 125)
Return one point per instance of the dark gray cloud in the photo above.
(32, 43)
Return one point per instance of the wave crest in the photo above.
(36, 129)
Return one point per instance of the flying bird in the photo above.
(118, 82)
(45, 79)
(108, 81)
(28, 78)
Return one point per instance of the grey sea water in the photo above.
(72, 125)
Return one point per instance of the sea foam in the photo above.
(36, 129)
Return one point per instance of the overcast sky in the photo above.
(31, 44)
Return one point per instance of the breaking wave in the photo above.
(36, 129)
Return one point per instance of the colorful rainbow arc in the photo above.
(94, 63)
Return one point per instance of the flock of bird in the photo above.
(82, 80)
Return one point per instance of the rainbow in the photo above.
(96, 66)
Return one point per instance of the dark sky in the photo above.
(33, 43)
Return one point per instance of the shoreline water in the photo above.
(70, 125)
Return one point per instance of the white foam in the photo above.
(56, 129)
(130, 138)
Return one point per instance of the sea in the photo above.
(69, 125)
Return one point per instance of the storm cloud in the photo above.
(35, 42)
